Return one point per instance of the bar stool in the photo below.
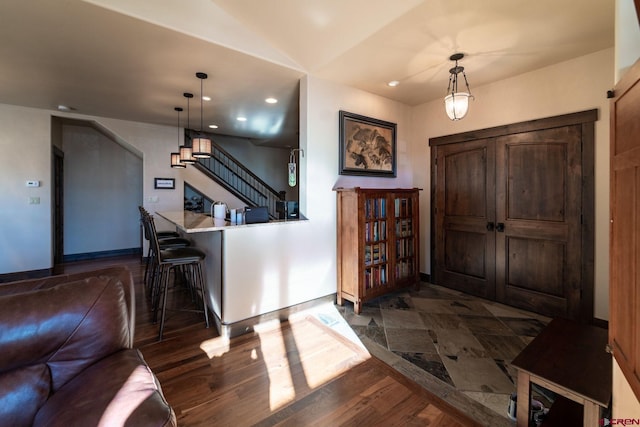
(167, 240)
(189, 260)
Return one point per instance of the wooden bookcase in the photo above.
(378, 242)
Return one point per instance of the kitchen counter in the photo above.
(194, 222)
(255, 272)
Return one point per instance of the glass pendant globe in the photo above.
(457, 105)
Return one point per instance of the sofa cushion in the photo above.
(118, 390)
(69, 326)
(24, 391)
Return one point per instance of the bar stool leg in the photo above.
(164, 285)
(203, 292)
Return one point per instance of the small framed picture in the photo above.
(367, 146)
(164, 183)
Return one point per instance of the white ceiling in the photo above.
(133, 59)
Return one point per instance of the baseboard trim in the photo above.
(230, 330)
(103, 254)
(25, 275)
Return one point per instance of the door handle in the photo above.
(490, 226)
(500, 227)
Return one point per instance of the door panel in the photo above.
(624, 270)
(537, 181)
(538, 198)
(465, 244)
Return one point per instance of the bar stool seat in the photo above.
(167, 234)
(187, 260)
(173, 242)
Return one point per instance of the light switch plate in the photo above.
(33, 183)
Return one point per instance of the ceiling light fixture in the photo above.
(175, 157)
(393, 83)
(186, 151)
(213, 126)
(456, 103)
(271, 101)
(201, 145)
(241, 119)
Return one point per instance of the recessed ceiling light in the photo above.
(65, 108)
(242, 119)
(393, 83)
(206, 98)
(271, 100)
(213, 126)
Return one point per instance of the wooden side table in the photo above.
(570, 359)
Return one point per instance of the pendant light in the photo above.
(175, 157)
(186, 152)
(456, 103)
(201, 146)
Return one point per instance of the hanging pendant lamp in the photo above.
(175, 157)
(186, 152)
(201, 145)
(456, 103)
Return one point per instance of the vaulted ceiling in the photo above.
(134, 59)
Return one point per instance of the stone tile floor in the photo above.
(464, 341)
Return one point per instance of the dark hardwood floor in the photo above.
(296, 373)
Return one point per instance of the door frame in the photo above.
(586, 119)
(58, 206)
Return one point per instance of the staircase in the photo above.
(223, 168)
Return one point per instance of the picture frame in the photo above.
(367, 146)
(164, 183)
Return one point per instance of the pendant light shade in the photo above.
(175, 161)
(201, 146)
(186, 153)
(175, 157)
(456, 103)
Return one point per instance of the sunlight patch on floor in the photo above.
(275, 356)
(215, 347)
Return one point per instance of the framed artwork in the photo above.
(367, 146)
(164, 183)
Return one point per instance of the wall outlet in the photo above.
(34, 200)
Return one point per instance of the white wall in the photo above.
(25, 229)
(320, 102)
(627, 36)
(103, 188)
(575, 85)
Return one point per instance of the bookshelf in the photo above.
(378, 242)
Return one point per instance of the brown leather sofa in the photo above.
(67, 356)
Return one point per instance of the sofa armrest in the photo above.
(119, 273)
(118, 390)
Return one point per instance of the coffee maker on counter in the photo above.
(287, 209)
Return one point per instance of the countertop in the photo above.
(192, 222)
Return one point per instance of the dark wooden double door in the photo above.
(509, 215)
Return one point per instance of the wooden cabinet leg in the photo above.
(339, 299)
(524, 390)
(357, 306)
